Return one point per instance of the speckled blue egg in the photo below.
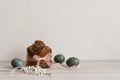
(16, 62)
(59, 58)
(72, 61)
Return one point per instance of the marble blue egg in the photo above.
(72, 61)
(16, 62)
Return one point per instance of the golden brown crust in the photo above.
(40, 49)
(44, 51)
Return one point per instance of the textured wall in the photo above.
(88, 29)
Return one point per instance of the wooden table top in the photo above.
(87, 70)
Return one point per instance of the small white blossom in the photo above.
(35, 70)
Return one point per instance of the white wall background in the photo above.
(88, 29)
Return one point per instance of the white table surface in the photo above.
(87, 70)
